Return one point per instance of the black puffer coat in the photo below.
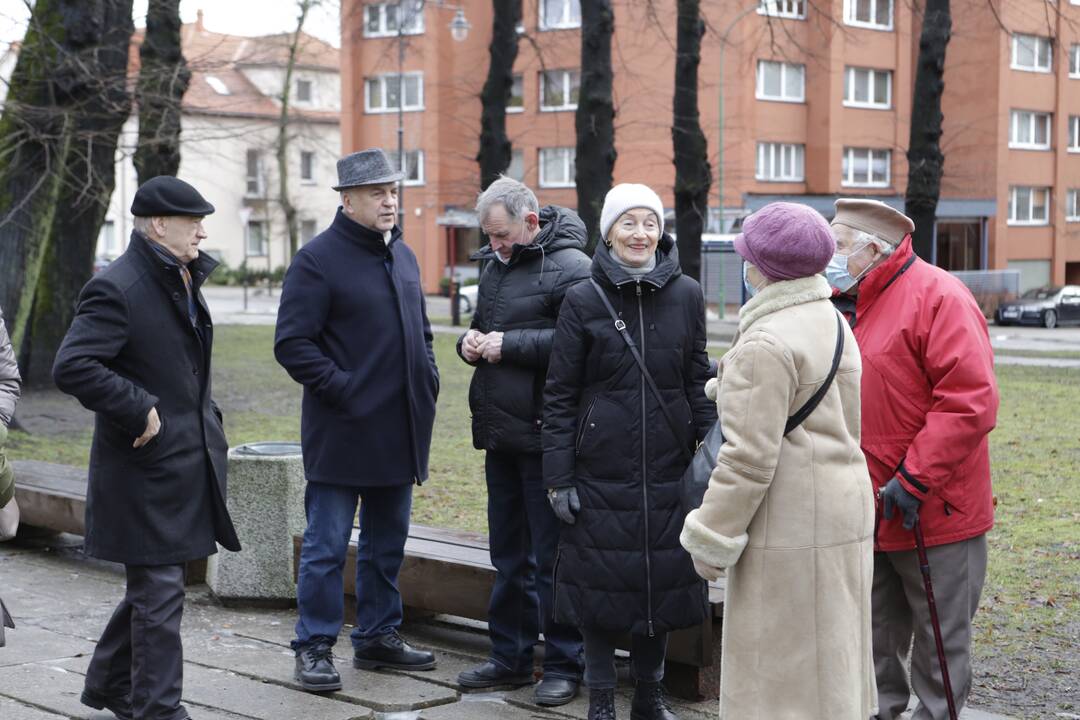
(620, 566)
(521, 299)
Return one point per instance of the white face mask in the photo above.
(836, 272)
(751, 289)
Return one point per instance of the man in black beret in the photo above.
(138, 354)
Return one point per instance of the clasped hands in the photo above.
(476, 345)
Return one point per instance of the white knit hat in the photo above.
(627, 196)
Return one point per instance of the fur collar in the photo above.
(781, 295)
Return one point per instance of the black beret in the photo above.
(165, 195)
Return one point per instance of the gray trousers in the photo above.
(140, 652)
(901, 615)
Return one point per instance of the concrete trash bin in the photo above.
(266, 501)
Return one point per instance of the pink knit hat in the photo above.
(786, 241)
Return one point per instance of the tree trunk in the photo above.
(66, 105)
(693, 176)
(287, 208)
(163, 80)
(925, 159)
(595, 119)
(495, 150)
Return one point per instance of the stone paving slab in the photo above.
(484, 707)
(11, 710)
(28, 644)
(51, 687)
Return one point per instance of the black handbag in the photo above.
(700, 464)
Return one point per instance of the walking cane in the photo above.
(924, 567)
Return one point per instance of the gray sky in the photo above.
(235, 17)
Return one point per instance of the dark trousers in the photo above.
(140, 651)
(524, 537)
(901, 614)
(320, 590)
(647, 656)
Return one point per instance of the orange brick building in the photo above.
(816, 104)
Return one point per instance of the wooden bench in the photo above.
(53, 497)
(449, 572)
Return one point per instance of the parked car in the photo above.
(1048, 306)
(467, 298)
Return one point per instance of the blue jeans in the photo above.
(524, 537)
(320, 590)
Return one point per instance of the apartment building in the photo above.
(799, 101)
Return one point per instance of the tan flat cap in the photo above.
(874, 217)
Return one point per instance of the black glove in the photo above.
(895, 495)
(564, 501)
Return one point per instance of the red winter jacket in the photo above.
(929, 397)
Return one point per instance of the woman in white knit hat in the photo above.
(614, 452)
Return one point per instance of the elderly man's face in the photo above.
(504, 231)
(861, 254)
(374, 206)
(180, 235)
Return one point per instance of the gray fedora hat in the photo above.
(367, 167)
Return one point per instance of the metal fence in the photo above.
(721, 272)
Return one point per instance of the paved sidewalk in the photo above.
(238, 665)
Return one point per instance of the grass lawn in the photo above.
(1028, 630)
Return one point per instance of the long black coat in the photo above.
(522, 299)
(352, 328)
(132, 347)
(620, 566)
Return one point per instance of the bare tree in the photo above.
(66, 104)
(595, 119)
(693, 176)
(495, 149)
(163, 79)
(925, 159)
(288, 208)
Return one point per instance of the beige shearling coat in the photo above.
(791, 517)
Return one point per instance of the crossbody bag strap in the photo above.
(804, 412)
(620, 325)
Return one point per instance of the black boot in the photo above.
(315, 669)
(601, 705)
(650, 703)
(391, 651)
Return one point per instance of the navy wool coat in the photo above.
(352, 328)
(132, 347)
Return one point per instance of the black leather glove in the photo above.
(564, 501)
(895, 495)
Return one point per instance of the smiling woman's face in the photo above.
(634, 236)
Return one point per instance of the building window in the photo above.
(867, 88)
(558, 14)
(303, 91)
(795, 9)
(873, 14)
(865, 167)
(383, 93)
(108, 243)
(413, 167)
(381, 19)
(257, 238)
(1032, 53)
(256, 184)
(1074, 133)
(1072, 207)
(780, 162)
(1029, 205)
(517, 95)
(308, 229)
(559, 89)
(516, 170)
(1074, 61)
(557, 168)
(1029, 130)
(307, 166)
(781, 81)
(217, 84)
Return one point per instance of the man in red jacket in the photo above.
(929, 402)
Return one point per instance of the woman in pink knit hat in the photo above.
(789, 511)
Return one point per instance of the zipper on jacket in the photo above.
(584, 426)
(644, 465)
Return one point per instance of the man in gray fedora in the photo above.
(352, 328)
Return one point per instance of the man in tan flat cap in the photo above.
(929, 401)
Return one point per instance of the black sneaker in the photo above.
(391, 651)
(118, 705)
(315, 669)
